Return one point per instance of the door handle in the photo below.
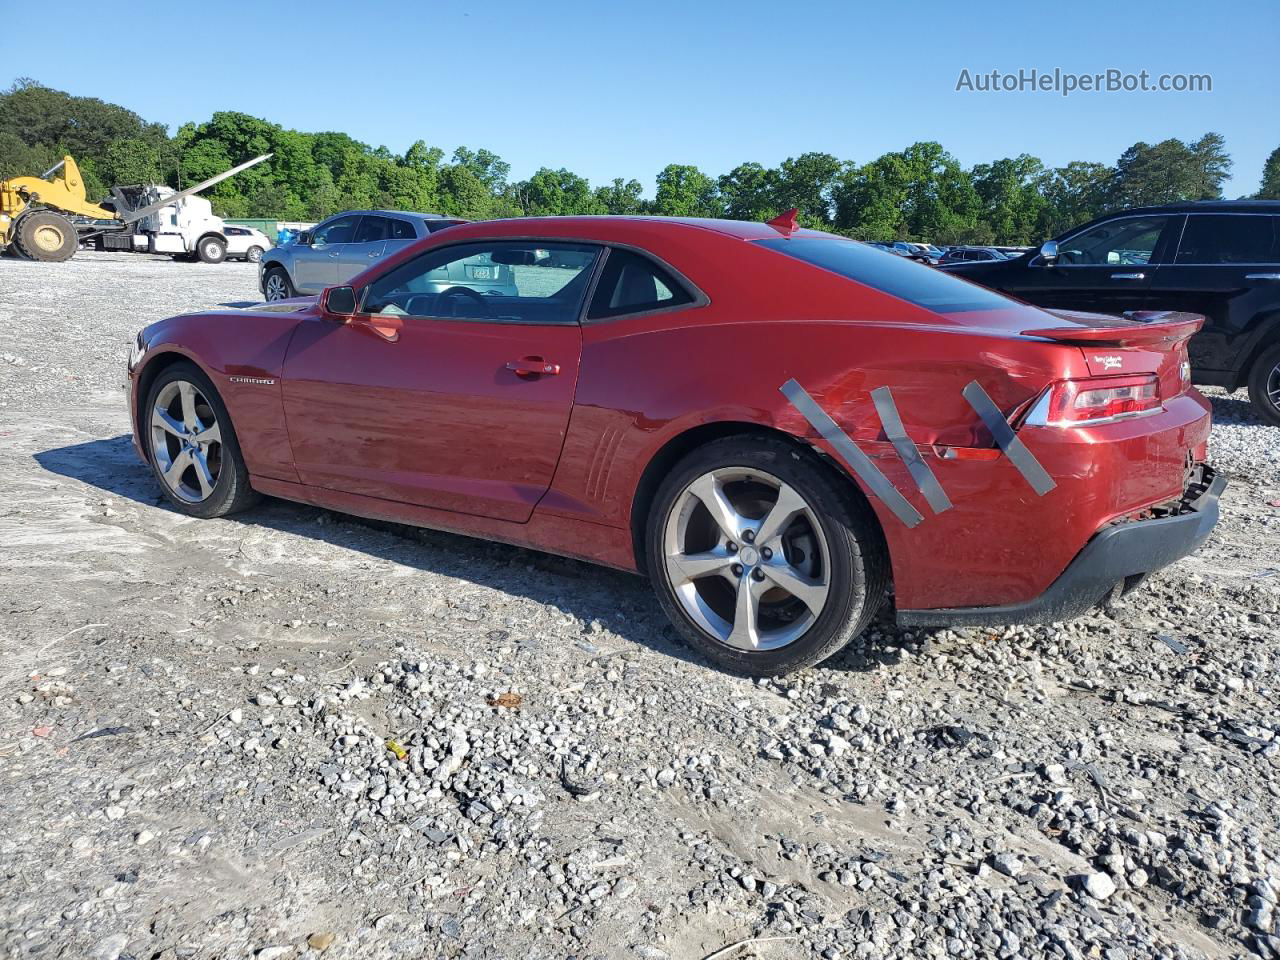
(1128, 276)
(533, 367)
(333, 255)
(1262, 276)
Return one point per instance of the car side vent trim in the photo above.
(1007, 440)
(857, 461)
(936, 497)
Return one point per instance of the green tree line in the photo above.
(919, 193)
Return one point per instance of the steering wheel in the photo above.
(451, 297)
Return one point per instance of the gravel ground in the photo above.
(292, 733)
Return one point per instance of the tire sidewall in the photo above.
(31, 221)
(211, 243)
(1258, 377)
(233, 471)
(284, 279)
(848, 599)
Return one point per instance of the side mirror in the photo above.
(1049, 251)
(304, 238)
(339, 302)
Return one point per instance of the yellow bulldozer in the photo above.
(36, 212)
(32, 213)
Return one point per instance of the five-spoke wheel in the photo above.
(747, 558)
(763, 557)
(186, 441)
(192, 445)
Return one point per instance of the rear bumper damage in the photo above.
(1117, 558)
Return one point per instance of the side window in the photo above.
(1220, 239)
(400, 230)
(371, 230)
(502, 281)
(335, 231)
(1117, 243)
(632, 283)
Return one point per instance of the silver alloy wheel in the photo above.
(255, 254)
(186, 441)
(1273, 386)
(746, 558)
(276, 289)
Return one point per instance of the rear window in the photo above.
(400, 230)
(631, 283)
(897, 276)
(1230, 238)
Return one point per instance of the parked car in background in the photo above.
(881, 423)
(339, 248)
(246, 243)
(1216, 258)
(973, 255)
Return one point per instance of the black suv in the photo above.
(1217, 258)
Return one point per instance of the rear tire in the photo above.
(804, 587)
(253, 254)
(188, 434)
(277, 285)
(46, 236)
(211, 250)
(1264, 385)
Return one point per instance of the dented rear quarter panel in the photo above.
(644, 382)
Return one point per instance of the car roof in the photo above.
(1207, 206)
(741, 229)
(397, 213)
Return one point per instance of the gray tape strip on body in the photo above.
(1007, 440)
(858, 461)
(937, 498)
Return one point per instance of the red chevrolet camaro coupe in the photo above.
(780, 427)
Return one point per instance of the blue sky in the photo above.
(623, 88)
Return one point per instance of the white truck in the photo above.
(161, 220)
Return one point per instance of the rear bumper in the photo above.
(1119, 556)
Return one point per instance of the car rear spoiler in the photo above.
(1150, 326)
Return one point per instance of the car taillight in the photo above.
(1096, 399)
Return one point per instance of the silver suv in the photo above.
(337, 249)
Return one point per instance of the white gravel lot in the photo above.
(195, 717)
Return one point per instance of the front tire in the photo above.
(211, 250)
(47, 236)
(192, 446)
(278, 286)
(763, 558)
(1264, 385)
(254, 254)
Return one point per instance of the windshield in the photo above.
(897, 276)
